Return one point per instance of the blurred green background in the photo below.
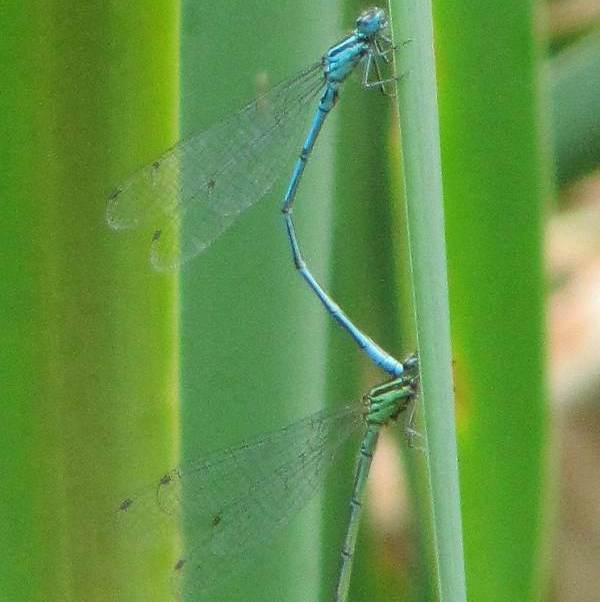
(113, 373)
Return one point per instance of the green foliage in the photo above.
(574, 82)
(253, 338)
(417, 104)
(495, 186)
(88, 337)
(94, 339)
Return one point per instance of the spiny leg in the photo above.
(380, 82)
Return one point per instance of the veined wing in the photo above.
(191, 194)
(234, 500)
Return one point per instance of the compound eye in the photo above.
(364, 18)
(371, 21)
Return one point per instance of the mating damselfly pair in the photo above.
(187, 198)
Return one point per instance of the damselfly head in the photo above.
(371, 22)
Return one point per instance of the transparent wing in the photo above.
(194, 192)
(236, 499)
